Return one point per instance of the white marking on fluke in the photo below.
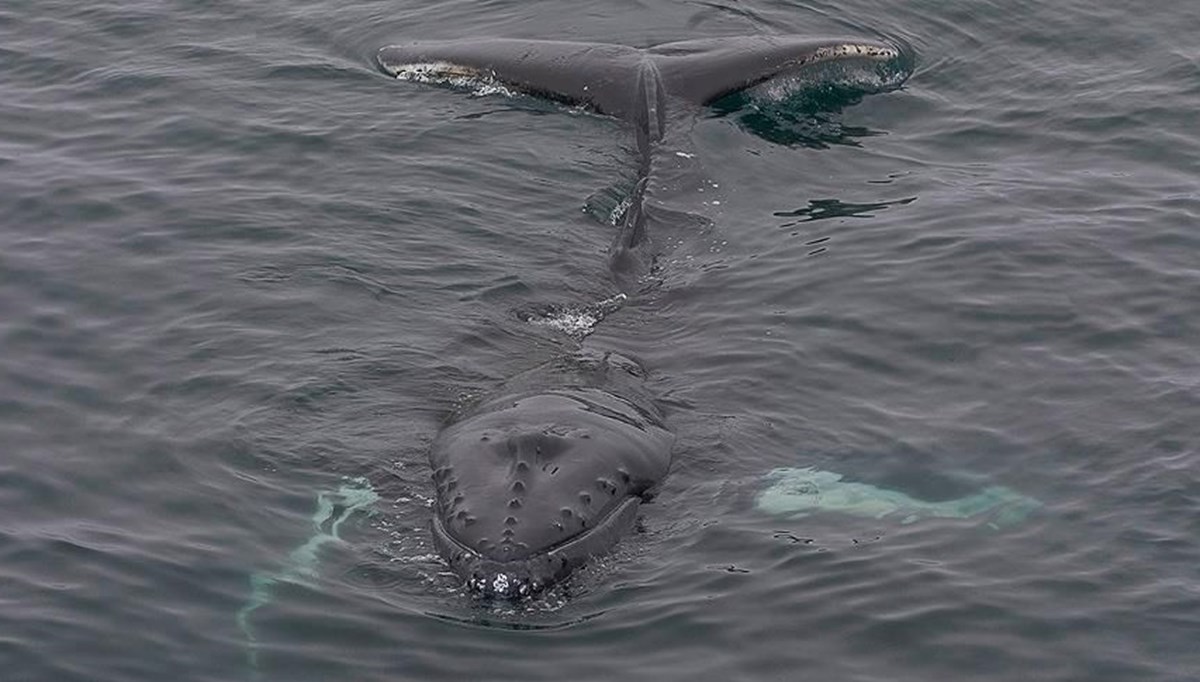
(479, 82)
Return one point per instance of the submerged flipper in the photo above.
(333, 508)
(611, 78)
(804, 491)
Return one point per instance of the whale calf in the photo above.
(552, 468)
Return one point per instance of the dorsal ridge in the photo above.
(652, 104)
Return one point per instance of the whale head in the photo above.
(530, 486)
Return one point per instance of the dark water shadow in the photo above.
(805, 109)
(822, 209)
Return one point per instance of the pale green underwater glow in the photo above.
(333, 508)
(801, 491)
(791, 492)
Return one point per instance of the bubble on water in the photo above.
(574, 321)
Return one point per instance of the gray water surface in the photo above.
(239, 265)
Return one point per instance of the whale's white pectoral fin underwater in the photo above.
(801, 491)
(549, 472)
(334, 508)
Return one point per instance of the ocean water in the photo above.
(241, 269)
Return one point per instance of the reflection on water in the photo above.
(821, 209)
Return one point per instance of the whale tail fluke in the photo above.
(703, 71)
(589, 74)
(607, 78)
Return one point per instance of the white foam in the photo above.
(578, 322)
(618, 212)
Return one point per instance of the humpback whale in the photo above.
(551, 470)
